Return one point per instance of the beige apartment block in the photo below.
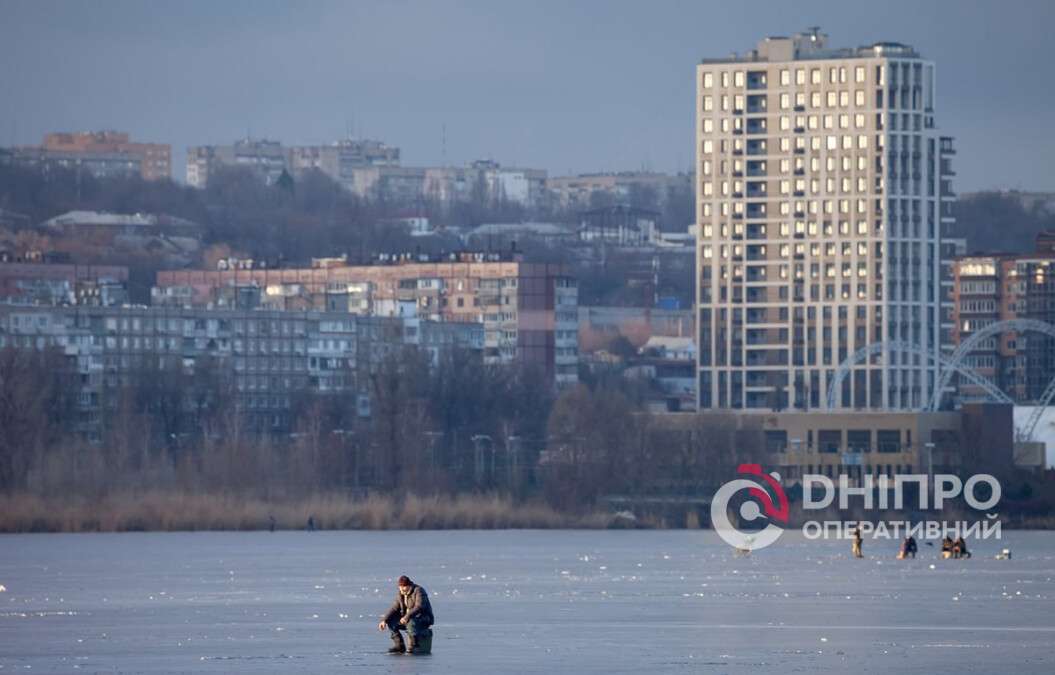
(819, 205)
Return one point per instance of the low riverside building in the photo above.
(866, 443)
(270, 357)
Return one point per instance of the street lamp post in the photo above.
(478, 441)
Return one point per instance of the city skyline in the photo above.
(535, 89)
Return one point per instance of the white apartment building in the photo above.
(819, 209)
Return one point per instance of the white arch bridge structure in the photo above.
(951, 365)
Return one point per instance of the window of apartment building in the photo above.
(738, 78)
(859, 440)
(708, 103)
(708, 80)
(800, 76)
(785, 77)
(888, 440)
(815, 76)
(829, 440)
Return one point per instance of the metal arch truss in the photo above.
(971, 343)
(1026, 432)
(955, 364)
(947, 365)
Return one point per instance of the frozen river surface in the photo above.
(519, 602)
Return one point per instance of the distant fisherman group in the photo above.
(909, 548)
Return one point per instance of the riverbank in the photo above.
(175, 511)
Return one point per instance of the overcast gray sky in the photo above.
(564, 86)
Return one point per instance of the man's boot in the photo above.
(397, 644)
(412, 644)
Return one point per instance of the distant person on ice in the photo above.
(856, 547)
(946, 546)
(411, 612)
(908, 548)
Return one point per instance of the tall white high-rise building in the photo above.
(819, 204)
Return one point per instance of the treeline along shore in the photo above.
(451, 444)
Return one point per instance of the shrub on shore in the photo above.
(178, 511)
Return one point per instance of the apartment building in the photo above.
(371, 169)
(484, 180)
(338, 160)
(100, 153)
(35, 281)
(624, 187)
(991, 288)
(820, 183)
(270, 357)
(264, 156)
(529, 311)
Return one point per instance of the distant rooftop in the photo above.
(378, 260)
(812, 45)
(104, 218)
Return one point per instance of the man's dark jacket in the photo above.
(414, 604)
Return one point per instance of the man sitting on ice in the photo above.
(411, 612)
